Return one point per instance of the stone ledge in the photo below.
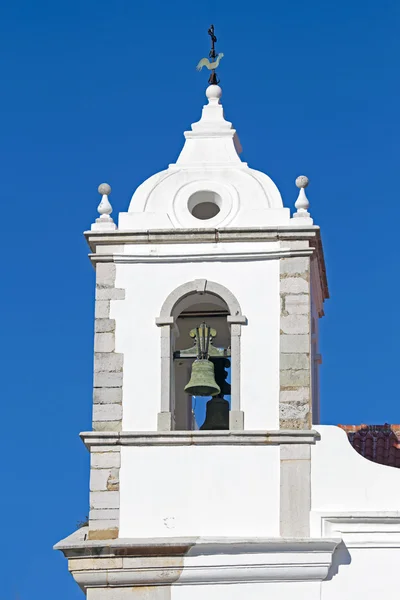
(185, 561)
(77, 545)
(273, 233)
(91, 439)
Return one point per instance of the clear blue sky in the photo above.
(97, 91)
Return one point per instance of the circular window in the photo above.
(204, 204)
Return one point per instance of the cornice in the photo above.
(198, 236)
(199, 438)
(192, 561)
(103, 244)
(209, 257)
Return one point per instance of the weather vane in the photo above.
(211, 66)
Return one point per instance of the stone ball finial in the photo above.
(105, 221)
(104, 189)
(213, 92)
(104, 208)
(302, 216)
(302, 181)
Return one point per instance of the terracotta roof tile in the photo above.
(378, 443)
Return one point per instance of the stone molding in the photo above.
(201, 235)
(188, 561)
(200, 286)
(368, 529)
(209, 257)
(102, 439)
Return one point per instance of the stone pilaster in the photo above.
(107, 409)
(108, 364)
(295, 490)
(295, 401)
(105, 462)
(295, 361)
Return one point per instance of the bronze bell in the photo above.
(217, 414)
(202, 380)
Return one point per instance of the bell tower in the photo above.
(208, 290)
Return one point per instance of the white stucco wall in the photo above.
(253, 591)
(256, 287)
(371, 573)
(233, 491)
(343, 480)
(356, 500)
(199, 491)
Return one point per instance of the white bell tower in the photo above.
(174, 508)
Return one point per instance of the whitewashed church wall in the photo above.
(358, 501)
(255, 286)
(199, 491)
(370, 573)
(344, 481)
(253, 591)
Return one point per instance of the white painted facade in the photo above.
(273, 506)
(255, 284)
(195, 499)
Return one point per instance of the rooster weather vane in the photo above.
(211, 66)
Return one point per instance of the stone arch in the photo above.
(201, 286)
(166, 322)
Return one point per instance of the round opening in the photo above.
(205, 204)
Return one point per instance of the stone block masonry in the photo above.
(108, 364)
(107, 409)
(295, 392)
(295, 362)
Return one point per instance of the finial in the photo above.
(216, 58)
(302, 202)
(104, 222)
(213, 93)
(104, 208)
(302, 181)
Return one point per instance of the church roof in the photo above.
(378, 443)
(208, 185)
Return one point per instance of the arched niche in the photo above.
(182, 310)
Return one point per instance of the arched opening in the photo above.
(207, 311)
(189, 410)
